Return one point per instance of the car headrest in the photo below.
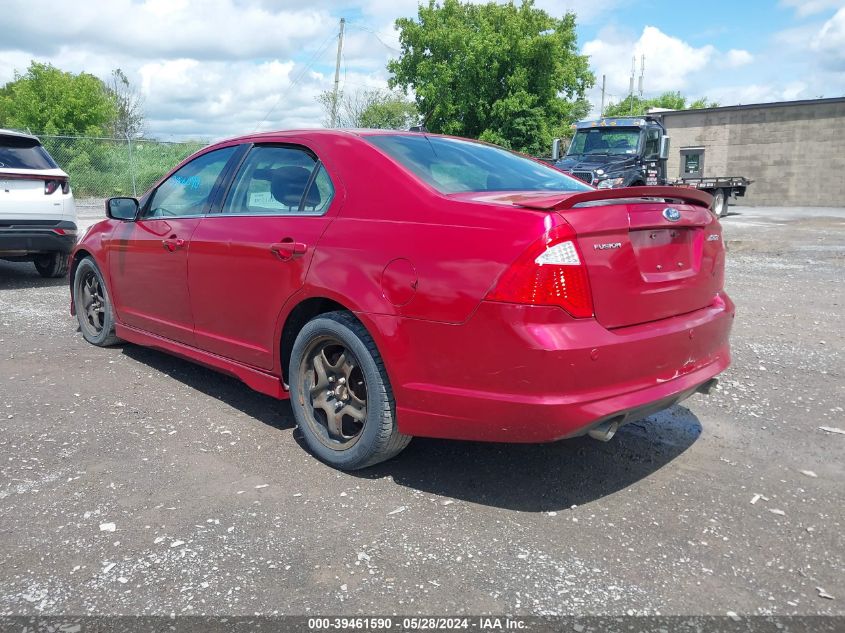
(495, 182)
(288, 183)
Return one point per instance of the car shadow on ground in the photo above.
(19, 275)
(228, 390)
(524, 477)
(542, 477)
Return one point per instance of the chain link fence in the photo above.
(105, 167)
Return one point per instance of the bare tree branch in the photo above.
(369, 107)
(129, 104)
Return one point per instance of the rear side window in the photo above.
(453, 165)
(276, 180)
(18, 152)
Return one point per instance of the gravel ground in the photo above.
(136, 483)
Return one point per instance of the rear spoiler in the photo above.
(631, 194)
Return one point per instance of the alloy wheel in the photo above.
(93, 302)
(335, 393)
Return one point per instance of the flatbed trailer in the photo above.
(722, 188)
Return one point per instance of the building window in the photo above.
(692, 162)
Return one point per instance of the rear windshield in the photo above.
(18, 152)
(452, 165)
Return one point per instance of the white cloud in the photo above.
(207, 29)
(804, 8)
(218, 67)
(797, 64)
(830, 42)
(669, 61)
(738, 57)
(758, 93)
(204, 67)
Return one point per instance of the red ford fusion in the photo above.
(400, 284)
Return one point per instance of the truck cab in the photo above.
(616, 152)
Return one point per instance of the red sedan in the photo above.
(394, 284)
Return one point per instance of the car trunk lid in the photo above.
(23, 193)
(650, 252)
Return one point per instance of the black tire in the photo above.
(720, 203)
(351, 363)
(51, 265)
(93, 305)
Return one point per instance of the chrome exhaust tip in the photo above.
(605, 431)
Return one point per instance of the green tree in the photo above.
(702, 103)
(634, 105)
(391, 112)
(370, 108)
(47, 100)
(506, 74)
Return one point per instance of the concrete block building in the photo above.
(794, 151)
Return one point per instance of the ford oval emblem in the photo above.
(673, 215)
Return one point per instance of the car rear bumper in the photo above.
(533, 374)
(25, 237)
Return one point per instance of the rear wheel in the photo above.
(341, 395)
(51, 264)
(93, 306)
(720, 203)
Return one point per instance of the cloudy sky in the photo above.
(212, 68)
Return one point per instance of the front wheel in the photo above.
(340, 394)
(93, 306)
(51, 265)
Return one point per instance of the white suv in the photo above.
(37, 211)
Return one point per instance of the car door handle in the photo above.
(287, 249)
(173, 243)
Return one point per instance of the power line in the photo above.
(298, 78)
(376, 35)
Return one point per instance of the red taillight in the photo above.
(550, 272)
(50, 186)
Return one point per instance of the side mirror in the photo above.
(556, 149)
(122, 208)
(664, 148)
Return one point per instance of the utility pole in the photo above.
(642, 72)
(337, 71)
(631, 85)
(601, 112)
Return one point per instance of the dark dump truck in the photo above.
(615, 152)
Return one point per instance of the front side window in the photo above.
(453, 165)
(652, 144)
(275, 180)
(186, 192)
